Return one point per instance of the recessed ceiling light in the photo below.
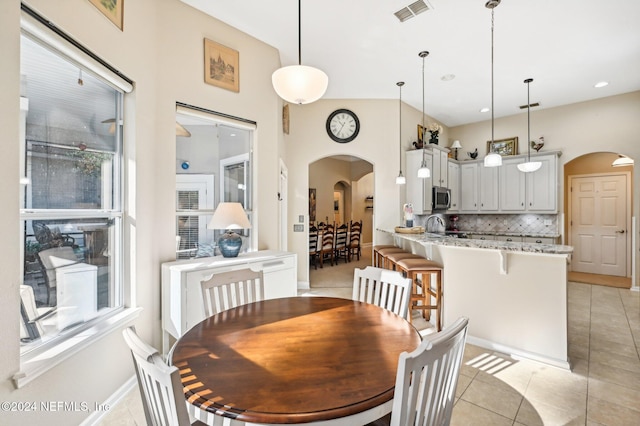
(485, 109)
(447, 77)
(232, 134)
(601, 84)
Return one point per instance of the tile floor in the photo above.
(495, 389)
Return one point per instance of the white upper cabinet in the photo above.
(542, 185)
(453, 181)
(488, 188)
(469, 187)
(419, 190)
(440, 165)
(535, 192)
(512, 186)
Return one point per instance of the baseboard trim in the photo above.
(117, 397)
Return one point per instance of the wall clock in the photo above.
(343, 125)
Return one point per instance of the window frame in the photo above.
(46, 355)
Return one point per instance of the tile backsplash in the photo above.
(525, 223)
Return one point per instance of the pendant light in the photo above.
(400, 180)
(529, 166)
(622, 161)
(423, 171)
(492, 159)
(299, 84)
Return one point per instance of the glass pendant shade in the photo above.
(300, 84)
(423, 171)
(529, 166)
(401, 180)
(493, 160)
(622, 161)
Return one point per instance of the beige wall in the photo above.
(161, 49)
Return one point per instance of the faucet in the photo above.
(437, 218)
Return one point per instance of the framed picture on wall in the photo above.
(503, 147)
(112, 9)
(312, 204)
(221, 66)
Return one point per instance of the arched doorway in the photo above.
(341, 190)
(598, 200)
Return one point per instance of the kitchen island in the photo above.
(514, 294)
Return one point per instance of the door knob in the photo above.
(620, 232)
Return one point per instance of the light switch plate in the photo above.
(300, 218)
(547, 222)
(298, 228)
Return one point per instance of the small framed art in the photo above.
(221, 66)
(503, 147)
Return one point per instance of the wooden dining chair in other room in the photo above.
(227, 290)
(340, 243)
(327, 249)
(382, 287)
(427, 378)
(353, 246)
(160, 386)
(313, 246)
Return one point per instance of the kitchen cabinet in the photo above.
(440, 169)
(488, 188)
(418, 190)
(542, 185)
(512, 186)
(469, 187)
(534, 192)
(453, 180)
(182, 305)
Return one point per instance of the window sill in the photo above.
(33, 366)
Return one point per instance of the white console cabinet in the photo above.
(182, 305)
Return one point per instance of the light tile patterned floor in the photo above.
(495, 389)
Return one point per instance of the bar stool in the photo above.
(415, 268)
(392, 258)
(378, 254)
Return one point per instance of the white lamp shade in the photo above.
(229, 216)
(400, 180)
(622, 161)
(300, 84)
(424, 172)
(493, 160)
(456, 145)
(529, 166)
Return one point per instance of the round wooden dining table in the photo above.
(315, 360)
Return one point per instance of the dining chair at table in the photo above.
(313, 246)
(227, 290)
(382, 287)
(160, 386)
(426, 381)
(341, 243)
(353, 245)
(327, 249)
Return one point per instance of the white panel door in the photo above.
(598, 224)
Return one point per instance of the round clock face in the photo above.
(343, 125)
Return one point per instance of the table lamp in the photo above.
(456, 146)
(229, 216)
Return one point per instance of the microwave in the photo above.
(441, 199)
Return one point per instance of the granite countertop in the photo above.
(429, 238)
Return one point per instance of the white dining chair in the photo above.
(160, 387)
(382, 287)
(227, 290)
(426, 380)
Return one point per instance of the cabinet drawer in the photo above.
(509, 238)
(540, 240)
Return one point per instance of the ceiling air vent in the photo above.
(412, 10)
